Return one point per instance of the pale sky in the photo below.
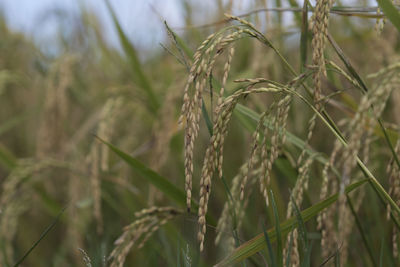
(140, 19)
(137, 18)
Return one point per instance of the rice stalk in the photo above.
(297, 196)
(320, 30)
(51, 133)
(163, 131)
(360, 128)
(233, 212)
(203, 63)
(98, 157)
(394, 190)
(86, 258)
(78, 218)
(15, 197)
(363, 119)
(211, 158)
(137, 233)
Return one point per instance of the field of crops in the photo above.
(263, 138)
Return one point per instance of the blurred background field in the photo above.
(71, 71)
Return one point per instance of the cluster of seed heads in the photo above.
(297, 197)
(320, 31)
(233, 212)
(393, 172)
(359, 130)
(16, 194)
(370, 109)
(99, 154)
(200, 72)
(51, 134)
(136, 234)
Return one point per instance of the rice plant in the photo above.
(254, 139)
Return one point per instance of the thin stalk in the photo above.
(381, 191)
(364, 89)
(364, 238)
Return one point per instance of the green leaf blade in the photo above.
(391, 12)
(142, 80)
(165, 186)
(256, 244)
